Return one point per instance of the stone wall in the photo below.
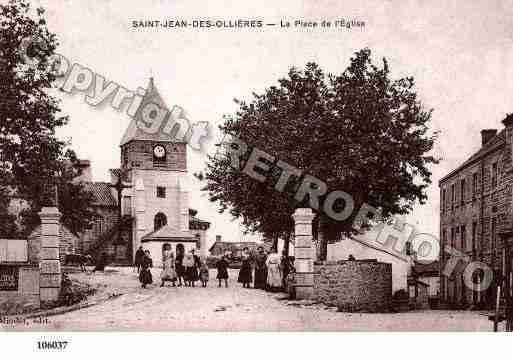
(27, 295)
(354, 286)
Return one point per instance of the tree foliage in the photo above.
(30, 153)
(359, 131)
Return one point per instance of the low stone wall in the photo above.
(354, 286)
(26, 297)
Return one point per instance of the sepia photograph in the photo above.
(294, 166)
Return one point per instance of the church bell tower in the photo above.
(156, 168)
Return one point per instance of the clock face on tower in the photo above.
(159, 151)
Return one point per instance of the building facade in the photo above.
(476, 219)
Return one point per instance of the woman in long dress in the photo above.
(168, 265)
(245, 270)
(179, 268)
(145, 276)
(191, 270)
(274, 272)
(260, 269)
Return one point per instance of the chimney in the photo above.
(218, 238)
(487, 135)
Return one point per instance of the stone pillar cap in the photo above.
(49, 211)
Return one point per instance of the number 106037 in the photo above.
(52, 345)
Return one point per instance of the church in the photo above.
(146, 203)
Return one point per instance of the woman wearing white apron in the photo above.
(168, 265)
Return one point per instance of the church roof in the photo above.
(102, 195)
(168, 234)
(133, 132)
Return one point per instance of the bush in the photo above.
(73, 292)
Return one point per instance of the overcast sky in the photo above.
(459, 54)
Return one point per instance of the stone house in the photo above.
(234, 249)
(476, 216)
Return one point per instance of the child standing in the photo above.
(222, 271)
(204, 273)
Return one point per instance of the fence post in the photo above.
(304, 252)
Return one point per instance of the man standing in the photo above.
(139, 255)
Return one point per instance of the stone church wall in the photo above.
(139, 154)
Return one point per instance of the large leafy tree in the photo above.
(359, 131)
(31, 156)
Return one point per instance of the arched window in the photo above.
(159, 221)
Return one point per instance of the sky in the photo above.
(459, 54)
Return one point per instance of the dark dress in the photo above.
(245, 271)
(222, 269)
(260, 271)
(192, 273)
(145, 276)
(180, 269)
(139, 255)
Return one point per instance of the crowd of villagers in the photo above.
(268, 271)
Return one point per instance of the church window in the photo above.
(161, 192)
(159, 221)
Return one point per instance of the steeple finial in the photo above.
(151, 78)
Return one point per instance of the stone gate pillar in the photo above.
(50, 266)
(304, 252)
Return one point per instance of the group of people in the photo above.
(184, 268)
(270, 271)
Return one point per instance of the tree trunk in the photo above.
(286, 244)
(322, 244)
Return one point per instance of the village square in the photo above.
(302, 213)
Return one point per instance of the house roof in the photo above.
(102, 195)
(495, 143)
(168, 234)
(196, 223)
(427, 269)
(133, 132)
(233, 245)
